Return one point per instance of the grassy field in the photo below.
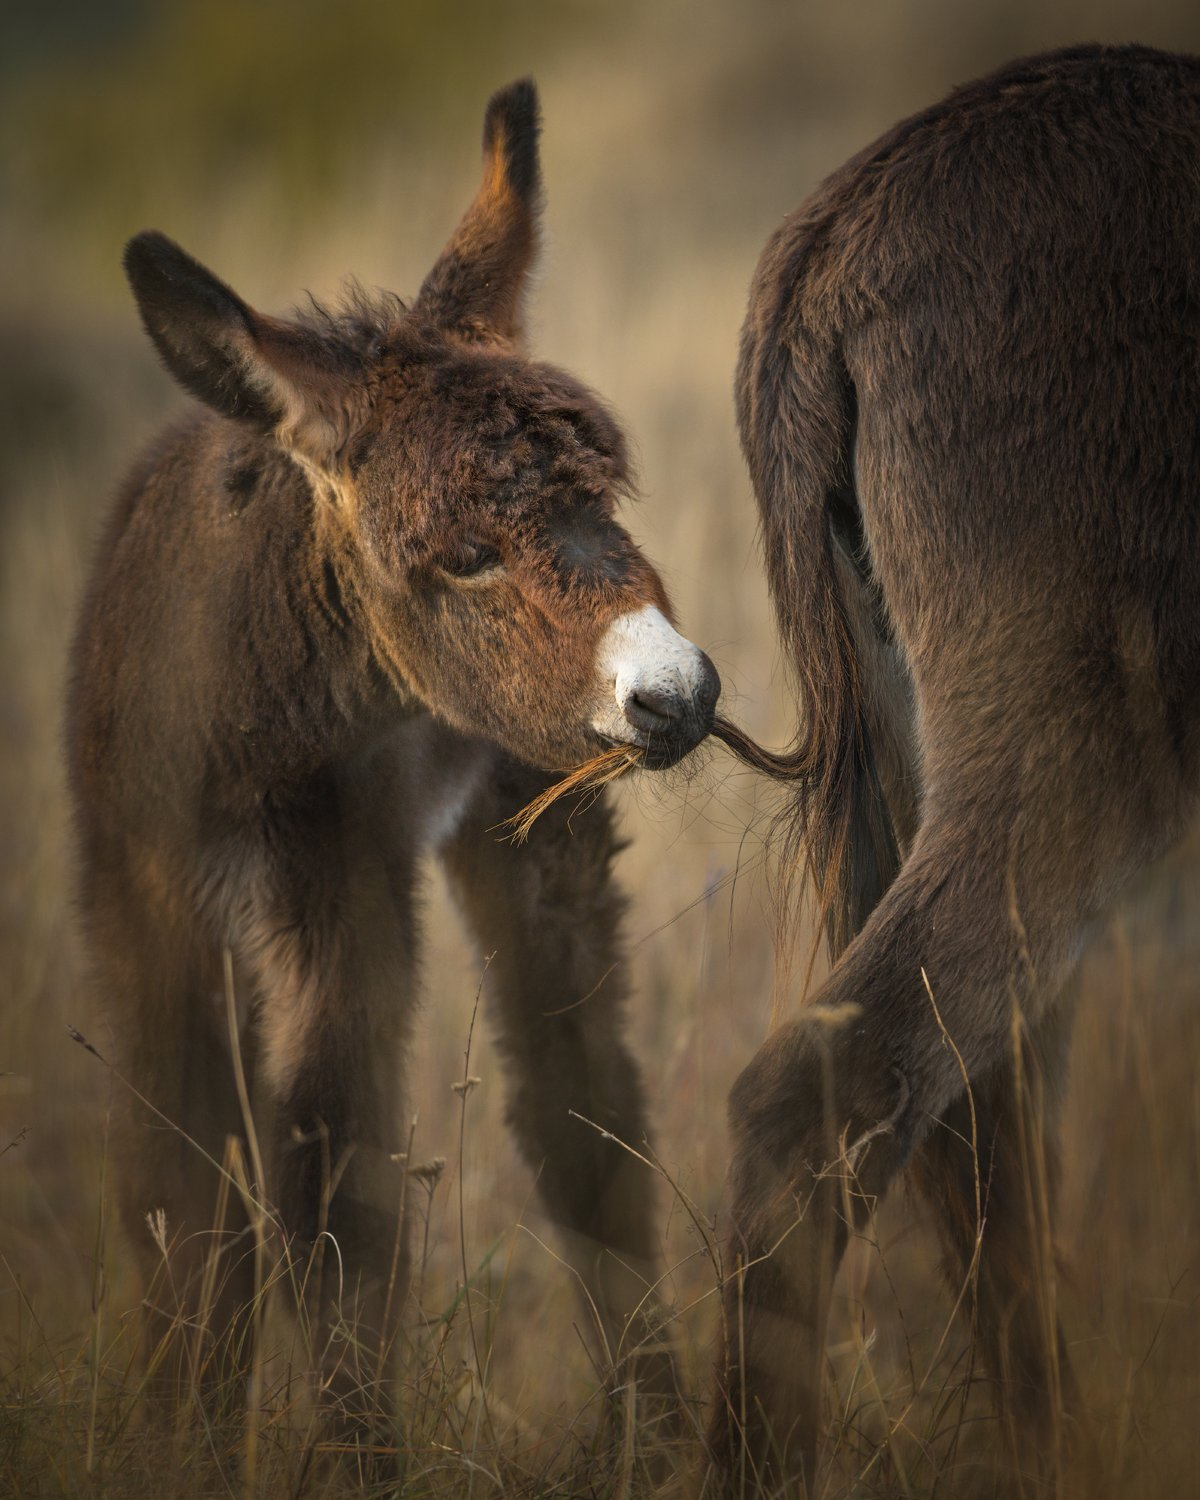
(287, 150)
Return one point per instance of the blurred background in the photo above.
(287, 144)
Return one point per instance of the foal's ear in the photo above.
(479, 279)
(243, 364)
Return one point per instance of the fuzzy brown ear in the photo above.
(257, 369)
(479, 280)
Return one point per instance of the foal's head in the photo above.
(463, 493)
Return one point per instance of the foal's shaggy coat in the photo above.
(336, 621)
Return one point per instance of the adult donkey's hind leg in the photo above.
(1015, 856)
(549, 914)
(989, 1172)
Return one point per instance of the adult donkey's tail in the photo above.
(796, 415)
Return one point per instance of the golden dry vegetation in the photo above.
(286, 146)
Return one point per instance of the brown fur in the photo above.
(334, 622)
(968, 395)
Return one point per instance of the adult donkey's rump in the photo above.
(969, 393)
(336, 621)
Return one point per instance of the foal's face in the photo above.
(502, 591)
(465, 494)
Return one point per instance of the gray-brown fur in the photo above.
(332, 624)
(968, 394)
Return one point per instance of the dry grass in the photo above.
(586, 781)
(675, 139)
(502, 1390)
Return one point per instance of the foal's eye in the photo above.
(470, 560)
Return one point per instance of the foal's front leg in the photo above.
(329, 942)
(550, 914)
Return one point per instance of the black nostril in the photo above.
(652, 711)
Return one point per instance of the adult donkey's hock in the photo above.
(356, 611)
(968, 394)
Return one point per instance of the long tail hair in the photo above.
(796, 415)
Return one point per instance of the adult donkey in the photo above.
(968, 395)
(336, 621)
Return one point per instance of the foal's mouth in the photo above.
(620, 757)
(661, 748)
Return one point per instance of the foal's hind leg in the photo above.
(175, 1106)
(549, 913)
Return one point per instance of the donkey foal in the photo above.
(336, 621)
